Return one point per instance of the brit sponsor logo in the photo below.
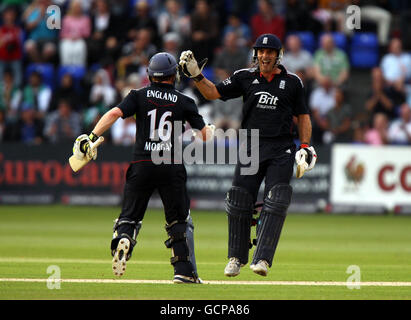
(266, 100)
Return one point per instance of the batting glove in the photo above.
(82, 148)
(189, 65)
(306, 154)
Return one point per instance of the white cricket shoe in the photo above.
(261, 268)
(233, 267)
(120, 257)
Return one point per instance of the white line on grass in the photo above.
(63, 260)
(217, 282)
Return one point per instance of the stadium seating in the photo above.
(77, 72)
(45, 69)
(307, 40)
(364, 50)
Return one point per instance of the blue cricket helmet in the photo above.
(270, 41)
(161, 65)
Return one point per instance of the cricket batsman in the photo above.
(157, 108)
(272, 96)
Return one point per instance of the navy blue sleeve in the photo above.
(129, 105)
(192, 116)
(230, 88)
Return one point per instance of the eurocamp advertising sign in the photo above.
(371, 175)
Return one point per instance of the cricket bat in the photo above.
(77, 164)
(302, 165)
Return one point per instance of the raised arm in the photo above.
(207, 89)
(192, 69)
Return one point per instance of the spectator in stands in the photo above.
(322, 100)
(399, 131)
(232, 57)
(242, 30)
(10, 96)
(204, 30)
(142, 19)
(332, 14)
(11, 45)
(296, 58)
(102, 94)
(172, 44)
(299, 17)
(174, 19)
(67, 91)
(244, 8)
(378, 133)
(330, 62)
(123, 132)
(36, 95)
(396, 66)
(76, 29)
(2, 125)
(40, 45)
(119, 8)
(136, 54)
(103, 23)
(102, 97)
(267, 21)
(379, 100)
(62, 125)
(359, 130)
(338, 120)
(28, 129)
(17, 4)
(132, 82)
(105, 29)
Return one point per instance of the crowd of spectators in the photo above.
(55, 83)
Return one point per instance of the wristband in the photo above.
(304, 145)
(93, 137)
(198, 78)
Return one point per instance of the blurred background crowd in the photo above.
(56, 83)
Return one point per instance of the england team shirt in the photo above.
(268, 106)
(157, 108)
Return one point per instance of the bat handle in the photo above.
(96, 143)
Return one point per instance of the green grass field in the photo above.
(312, 248)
